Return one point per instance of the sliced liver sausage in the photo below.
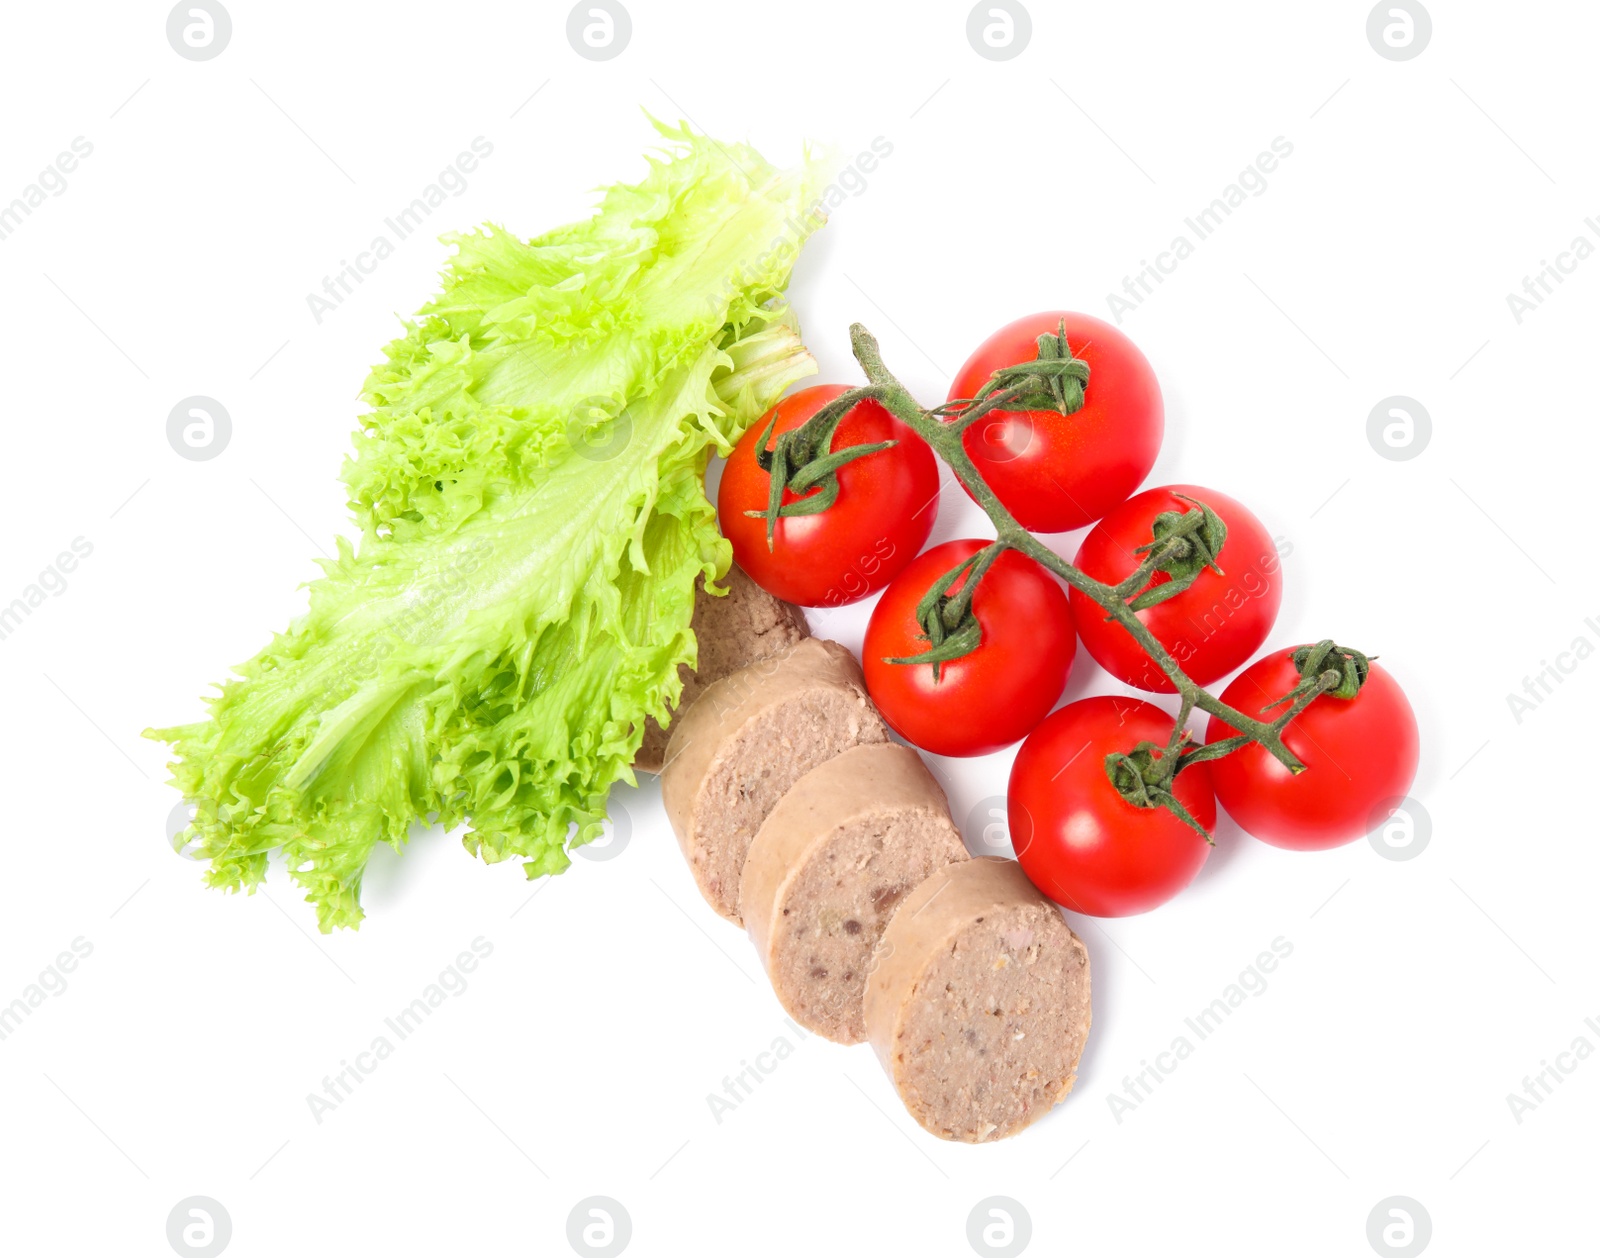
(746, 740)
(828, 867)
(734, 630)
(978, 1003)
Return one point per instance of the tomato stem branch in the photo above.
(1183, 545)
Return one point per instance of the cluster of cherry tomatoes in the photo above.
(1080, 841)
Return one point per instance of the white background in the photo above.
(578, 1062)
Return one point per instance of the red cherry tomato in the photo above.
(1079, 841)
(1360, 756)
(885, 510)
(1056, 472)
(1215, 625)
(988, 699)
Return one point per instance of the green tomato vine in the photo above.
(1182, 545)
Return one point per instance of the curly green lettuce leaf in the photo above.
(530, 489)
(532, 342)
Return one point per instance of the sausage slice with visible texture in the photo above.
(828, 867)
(733, 630)
(978, 1003)
(748, 739)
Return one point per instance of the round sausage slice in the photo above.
(978, 1003)
(733, 630)
(748, 739)
(828, 867)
